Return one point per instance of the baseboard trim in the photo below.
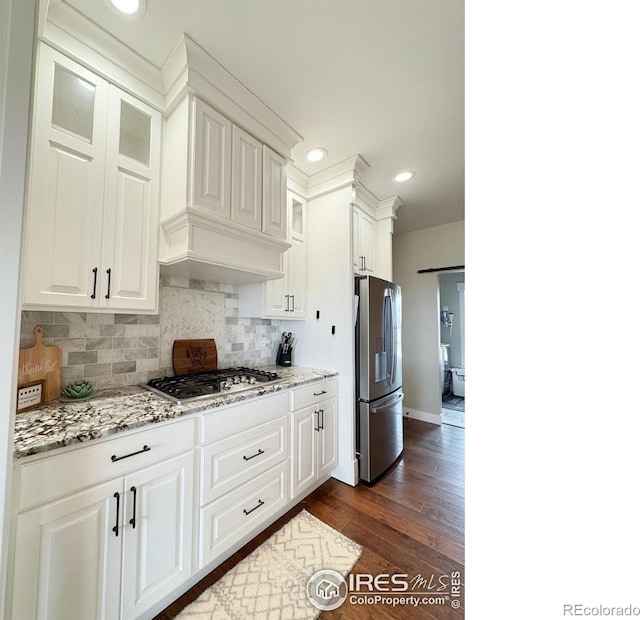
(424, 416)
(347, 474)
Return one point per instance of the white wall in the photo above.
(440, 246)
(17, 21)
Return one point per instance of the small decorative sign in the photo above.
(30, 396)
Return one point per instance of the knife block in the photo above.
(283, 359)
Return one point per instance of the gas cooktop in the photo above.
(186, 388)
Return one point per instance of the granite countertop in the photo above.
(58, 424)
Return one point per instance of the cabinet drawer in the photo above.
(230, 462)
(314, 393)
(227, 520)
(227, 421)
(48, 478)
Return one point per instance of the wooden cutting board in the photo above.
(41, 363)
(191, 356)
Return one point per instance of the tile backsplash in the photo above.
(112, 350)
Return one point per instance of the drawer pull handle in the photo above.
(247, 512)
(115, 458)
(117, 525)
(258, 453)
(108, 295)
(320, 393)
(95, 282)
(132, 521)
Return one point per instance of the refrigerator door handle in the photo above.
(394, 331)
(388, 310)
(388, 402)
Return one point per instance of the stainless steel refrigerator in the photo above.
(379, 438)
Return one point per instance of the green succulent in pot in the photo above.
(78, 390)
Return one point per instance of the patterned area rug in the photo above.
(271, 582)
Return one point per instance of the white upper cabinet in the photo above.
(246, 180)
(274, 193)
(364, 243)
(212, 160)
(223, 207)
(130, 235)
(92, 215)
(285, 297)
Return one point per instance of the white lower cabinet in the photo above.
(234, 515)
(67, 561)
(108, 530)
(114, 549)
(244, 473)
(314, 434)
(158, 532)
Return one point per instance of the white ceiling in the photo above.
(380, 78)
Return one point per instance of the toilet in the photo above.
(458, 381)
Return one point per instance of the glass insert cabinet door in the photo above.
(297, 210)
(296, 215)
(135, 133)
(73, 104)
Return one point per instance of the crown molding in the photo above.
(343, 174)
(364, 199)
(67, 30)
(387, 209)
(190, 68)
(297, 181)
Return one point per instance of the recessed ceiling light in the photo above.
(401, 177)
(129, 9)
(316, 154)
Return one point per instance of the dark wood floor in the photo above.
(410, 521)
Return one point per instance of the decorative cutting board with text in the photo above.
(191, 356)
(41, 363)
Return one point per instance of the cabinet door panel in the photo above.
(274, 194)
(368, 243)
(211, 160)
(157, 551)
(276, 296)
(328, 438)
(303, 449)
(66, 185)
(67, 560)
(128, 256)
(297, 274)
(246, 194)
(72, 221)
(364, 243)
(355, 241)
(131, 205)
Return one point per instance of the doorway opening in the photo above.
(451, 303)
